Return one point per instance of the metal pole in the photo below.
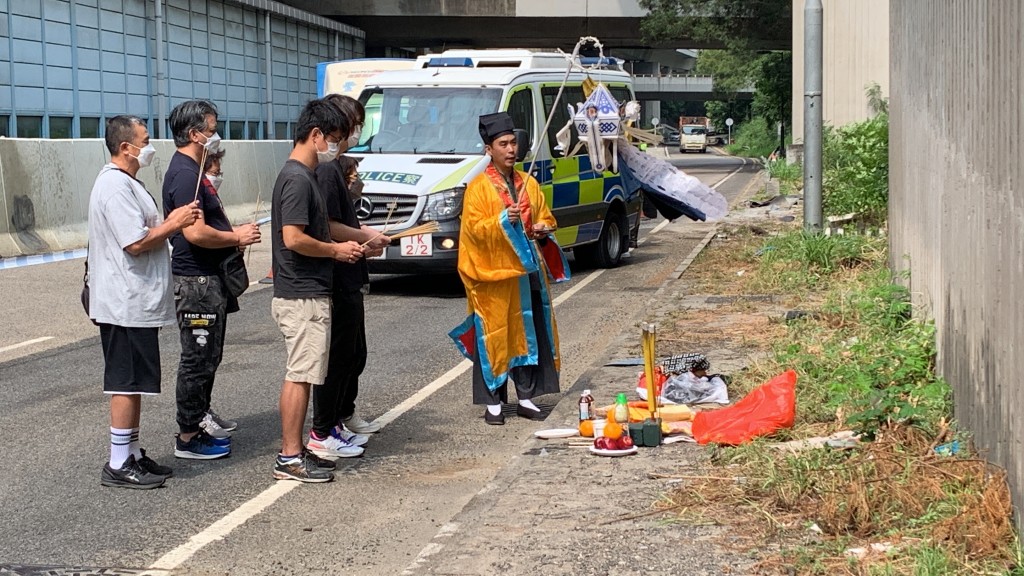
(270, 131)
(812, 114)
(161, 89)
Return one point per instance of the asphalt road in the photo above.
(432, 457)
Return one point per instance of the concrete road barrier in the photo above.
(45, 187)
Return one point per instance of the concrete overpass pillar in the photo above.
(650, 109)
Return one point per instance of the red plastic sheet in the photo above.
(766, 409)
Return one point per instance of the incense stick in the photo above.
(391, 209)
(428, 228)
(202, 168)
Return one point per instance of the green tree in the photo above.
(733, 24)
(773, 87)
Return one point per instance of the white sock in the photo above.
(494, 409)
(529, 404)
(120, 439)
(134, 447)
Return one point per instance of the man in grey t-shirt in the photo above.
(130, 294)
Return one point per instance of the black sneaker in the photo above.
(130, 475)
(302, 468)
(322, 463)
(150, 465)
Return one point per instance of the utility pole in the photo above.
(812, 114)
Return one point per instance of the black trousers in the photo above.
(202, 305)
(530, 381)
(335, 399)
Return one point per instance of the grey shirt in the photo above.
(126, 290)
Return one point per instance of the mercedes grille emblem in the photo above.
(364, 208)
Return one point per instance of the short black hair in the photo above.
(323, 115)
(349, 106)
(188, 116)
(121, 129)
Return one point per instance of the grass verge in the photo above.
(896, 504)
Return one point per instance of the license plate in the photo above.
(416, 246)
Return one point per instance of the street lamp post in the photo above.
(812, 114)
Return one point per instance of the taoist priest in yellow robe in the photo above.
(507, 254)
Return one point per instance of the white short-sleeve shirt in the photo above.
(126, 290)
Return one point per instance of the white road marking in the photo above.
(25, 343)
(221, 528)
(423, 393)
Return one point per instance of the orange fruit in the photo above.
(587, 428)
(613, 430)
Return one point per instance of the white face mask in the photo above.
(212, 144)
(353, 140)
(215, 180)
(332, 152)
(146, 154)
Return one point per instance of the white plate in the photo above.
(626, 452)
(557, 433)
(417, 246)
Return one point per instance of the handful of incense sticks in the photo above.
(647, 344)
(428, 228)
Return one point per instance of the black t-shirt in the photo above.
(297, 201)
(347, 277)
(187, 259)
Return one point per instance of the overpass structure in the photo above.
(439, 24)
(681, 87)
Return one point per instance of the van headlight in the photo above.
(444, 205)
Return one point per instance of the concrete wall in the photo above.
(956, 209)
(45, 187)
(855, 54)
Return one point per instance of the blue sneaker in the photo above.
(200, 447)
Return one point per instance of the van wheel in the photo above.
(611, 244)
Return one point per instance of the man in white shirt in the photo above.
(130, 294)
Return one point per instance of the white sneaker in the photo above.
(350, 437)
(333, 446)
(360, 426)
(213, 429)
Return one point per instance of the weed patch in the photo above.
(892, 505)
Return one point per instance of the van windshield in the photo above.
(426, 120)
(694, 130)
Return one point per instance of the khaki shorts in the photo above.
(306, 325)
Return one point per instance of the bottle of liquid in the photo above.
(621, 409)
(586, 406)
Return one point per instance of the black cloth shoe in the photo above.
(528, 413)
(151, 466)
(130, 475)
(494, 419)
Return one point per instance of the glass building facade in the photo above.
(68, 65)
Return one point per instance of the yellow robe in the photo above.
(495, 260)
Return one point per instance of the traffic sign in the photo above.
(728, 121)
(655, 121)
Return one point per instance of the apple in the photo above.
(601, 443)
(625, 443)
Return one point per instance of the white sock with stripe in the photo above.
(120, 440)
(134, 447)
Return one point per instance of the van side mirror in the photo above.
(522, 144)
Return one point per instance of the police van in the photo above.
(417, 160)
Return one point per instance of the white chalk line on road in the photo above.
(25, 343)
(221, 528)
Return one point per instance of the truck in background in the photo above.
(711, 136)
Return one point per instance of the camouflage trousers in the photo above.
(202, 305)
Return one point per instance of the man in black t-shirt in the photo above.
(303, 256)
(337, 429)
(201, 300)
